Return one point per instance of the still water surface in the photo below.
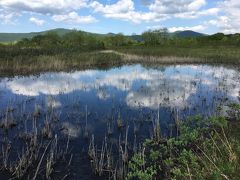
(95, 99)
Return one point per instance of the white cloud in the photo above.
(198, 28)
(137, 17)
(229, 22)
(125, 10)
(175, 7)
(208, 12)
(223, 23)
(158, 10)
(196, 4)
(225, 15)
(73, 17)
(38, 22)
(122, 6)
(197, 14)
(59, 10)
(7, 17)
(43, 6)
(185, 9)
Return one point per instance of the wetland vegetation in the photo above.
(85, 106)
(78, 49)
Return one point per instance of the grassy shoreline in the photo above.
(23, 65)
(26, 61)
(174, 54)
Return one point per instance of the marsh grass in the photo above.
(31, 152)
(34, 60)
(176, 54)
(31, 63)
(202, 148)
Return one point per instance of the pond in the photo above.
(108, 105)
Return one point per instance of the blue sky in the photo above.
(125, 16)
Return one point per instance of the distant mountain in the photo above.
(11, 37)
(188, 33)
(137, 38)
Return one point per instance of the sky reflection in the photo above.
(170, 86)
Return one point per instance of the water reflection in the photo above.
(172, 86)
(82, 103)
(133, 92)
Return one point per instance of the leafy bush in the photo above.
(204, 149)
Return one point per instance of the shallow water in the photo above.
(132, 93)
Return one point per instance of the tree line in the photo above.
(79, 40)
(75, 40)
(163, 37)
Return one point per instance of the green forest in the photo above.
(89, 41)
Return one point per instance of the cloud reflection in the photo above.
(169, 86)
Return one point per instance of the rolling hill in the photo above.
(12, 37)
(188, 33)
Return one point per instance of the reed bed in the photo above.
(31, 152)
(198, 143)
(181, 55)
(32, 64)
(26, 61)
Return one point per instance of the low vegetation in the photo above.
(77, 49)
(166, 54)
(159, 46)
(24, 64)
(202, 149)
